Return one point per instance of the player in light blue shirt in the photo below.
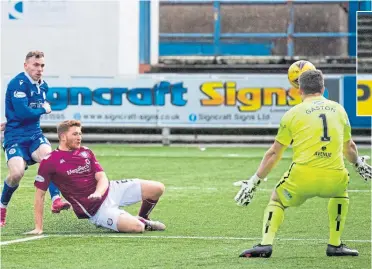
(24, 143)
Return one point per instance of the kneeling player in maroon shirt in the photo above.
(76, 172)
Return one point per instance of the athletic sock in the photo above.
(7, 194)
(273, 218)
(146, 208)
(337, 211)
(54, 191)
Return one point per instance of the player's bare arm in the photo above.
(351, 154)
(102, 185)
(351, 151)
(270, 159)
(2, 126)
(38, 212)
(248, 187)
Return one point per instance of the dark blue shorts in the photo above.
(24, 147)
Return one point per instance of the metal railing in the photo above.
(290, 34)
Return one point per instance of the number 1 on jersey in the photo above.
(325, 136)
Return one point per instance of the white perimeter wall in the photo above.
(79, 38)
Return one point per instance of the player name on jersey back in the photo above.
(317, 129)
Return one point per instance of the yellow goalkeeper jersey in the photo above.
(317, 129)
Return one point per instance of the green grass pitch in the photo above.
(205, 228)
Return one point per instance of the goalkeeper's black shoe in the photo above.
(258, 251)
(341, 250)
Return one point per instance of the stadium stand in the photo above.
(364, 43)
(256, 36)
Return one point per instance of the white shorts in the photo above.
(121, 193)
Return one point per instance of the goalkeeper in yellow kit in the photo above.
(320, 134)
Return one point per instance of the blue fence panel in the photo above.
(208, 48)
(144, 32)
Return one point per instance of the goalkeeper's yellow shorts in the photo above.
(302, 182)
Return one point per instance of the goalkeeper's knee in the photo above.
(275, 197)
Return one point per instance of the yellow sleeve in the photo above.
(347, 127)
(284, 135)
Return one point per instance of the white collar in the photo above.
(33, 81)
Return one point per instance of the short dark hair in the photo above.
(34, 53)
(311, 81)
(64, 126)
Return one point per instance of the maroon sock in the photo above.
(146, 208)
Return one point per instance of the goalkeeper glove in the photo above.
(363, 168)
(247, 190)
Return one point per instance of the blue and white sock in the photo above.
(7, 194)
(54, 191)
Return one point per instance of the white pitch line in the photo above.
(359, 191)
(215, 238)
(181, 155)
(211, 189)
(197, 237)
(22, 240)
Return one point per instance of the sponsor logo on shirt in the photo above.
(37, 104)
(287, 195)
(80, 169)
(19, 94)
(318, 102)
(322, 154)
(39, 178)
(84, 154)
